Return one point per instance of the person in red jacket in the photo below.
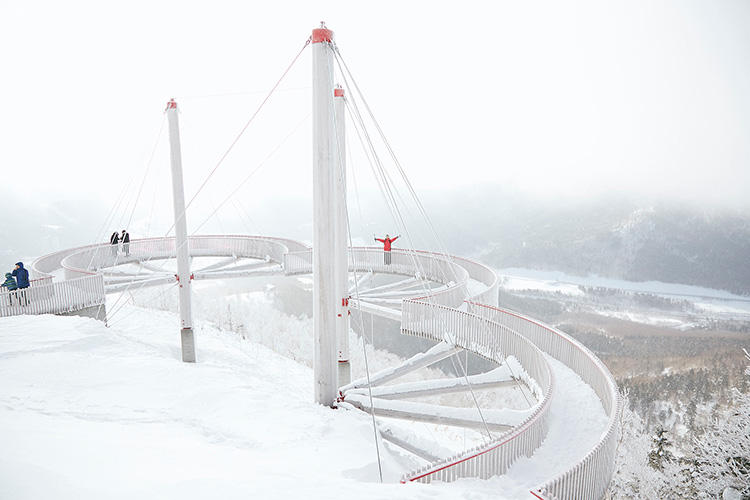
(387, 248)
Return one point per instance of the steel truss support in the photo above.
(432, 414)
(499, 377)
(416, 362)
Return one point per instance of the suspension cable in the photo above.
(148, 168)
(150, 299)
(251, 225)
(381, 175)
(231, 146)
(393, 205)
(108, 220)
(242, 131)
(253, 172)
(442, 247)
(135, 204)
(396, 162)
(340, 172)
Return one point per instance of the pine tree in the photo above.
(661, 451)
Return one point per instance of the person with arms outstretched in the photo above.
(387, 241)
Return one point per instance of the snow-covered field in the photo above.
(93, 412)
(648, 319)
(516, 278)
(701, 302)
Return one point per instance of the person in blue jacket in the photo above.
(10, 284)
(21, 275)
(22, 280)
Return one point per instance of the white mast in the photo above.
(180, 228)
(325, 295)
(342, 241)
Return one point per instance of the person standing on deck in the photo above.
(125, 242)
(387, 247)
(114, 240)
(10, 284)
(22, 280)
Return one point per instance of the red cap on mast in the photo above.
(172, 104)
(322, 34)
(338, 92)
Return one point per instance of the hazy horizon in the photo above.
(557, 100)
(559, 105)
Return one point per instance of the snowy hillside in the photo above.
(624, 238)
(94, 412)
(88, 411)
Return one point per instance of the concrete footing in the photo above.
(188, 345)
(345, 373)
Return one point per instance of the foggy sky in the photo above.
(548, 98)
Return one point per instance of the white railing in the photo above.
(424, 265)
(44, 280)
(54, 298)
(493, 341)
(484, 275)
(590, 477)
(47, 264)
(485, 330)
(88, 260)
(299, 262)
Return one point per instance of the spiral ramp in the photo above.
(547, 378)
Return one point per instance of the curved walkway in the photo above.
(437, 311)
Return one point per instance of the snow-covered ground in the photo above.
(520, 283)
(533, 279)
(702, 302)
(649, 319)
(93, 412)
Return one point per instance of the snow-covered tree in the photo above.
(633, 478)
(661, 451)
(724, 450)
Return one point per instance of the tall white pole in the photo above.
(180, 228)
(324, 220)
(341, 264)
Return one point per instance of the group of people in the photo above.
(18, 279)
(118, 238)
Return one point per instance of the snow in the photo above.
(718, 307)
(653, 287)
(520, 283)
(577, 423)
(94, 412)
(475, 288)
(648, 319)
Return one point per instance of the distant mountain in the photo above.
(29, 230)
(613, 238)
